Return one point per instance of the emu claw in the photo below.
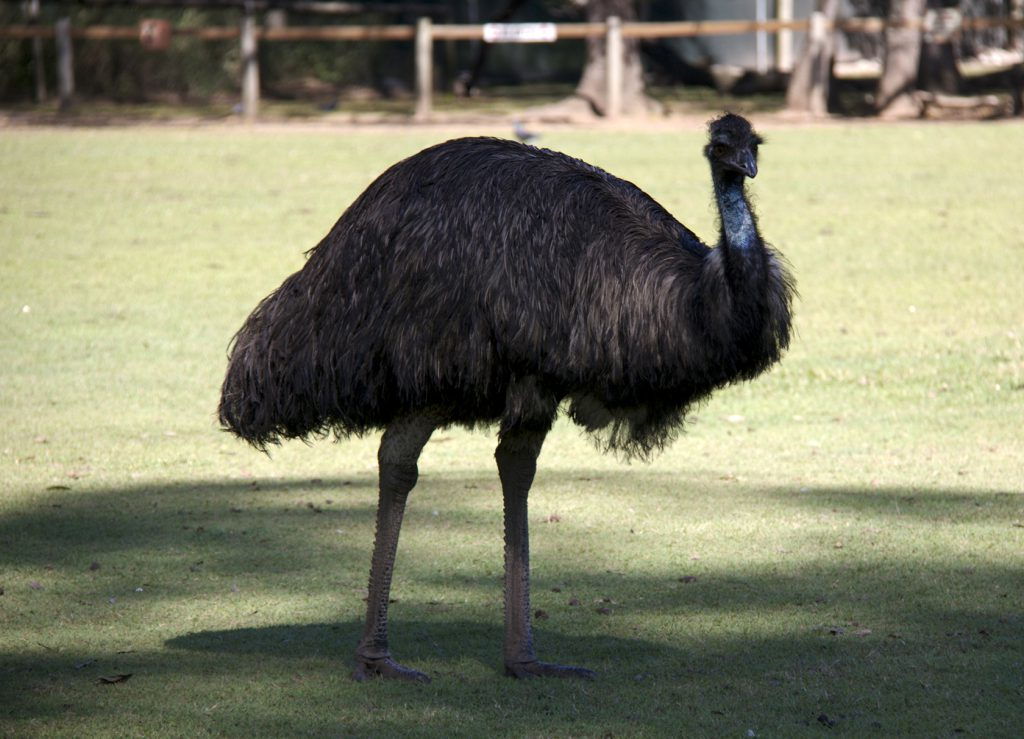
(527, 670)
(387, 668)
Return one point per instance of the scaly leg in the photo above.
(400, 449)
(517, 463)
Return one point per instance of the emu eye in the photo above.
(719, 150)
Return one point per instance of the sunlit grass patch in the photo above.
(843, 538)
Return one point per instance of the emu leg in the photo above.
(517, 462)
(400, 449)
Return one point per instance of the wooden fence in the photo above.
(426, 32)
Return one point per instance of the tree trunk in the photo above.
(593, 84)
(809, 85)
(895, 97)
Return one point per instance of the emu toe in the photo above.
(527, 670)
(387, 668)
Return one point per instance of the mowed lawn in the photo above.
(835, 547)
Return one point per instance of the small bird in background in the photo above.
(521, 133)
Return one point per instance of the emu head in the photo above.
(732, 146)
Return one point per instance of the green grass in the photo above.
(854, 520)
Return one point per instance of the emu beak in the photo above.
(746, 164)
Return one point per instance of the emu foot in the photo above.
(387, 668)
(526, 670)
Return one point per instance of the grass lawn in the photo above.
(838, 546)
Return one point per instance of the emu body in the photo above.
(482, 281)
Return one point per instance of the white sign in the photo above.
(519, 33)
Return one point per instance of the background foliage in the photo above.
(195, 70)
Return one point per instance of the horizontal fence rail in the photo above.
(451, 32)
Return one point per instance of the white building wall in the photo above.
(743, 50)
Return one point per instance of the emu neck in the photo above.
(739, 231)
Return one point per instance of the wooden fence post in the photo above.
(1017, 71)
(784, 38)
(613, 57)
(761, 38)
(1017, 35)
(250, 65)
(424, 68)
(65, 63)
(38, 70)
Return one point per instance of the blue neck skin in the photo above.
(738, 231)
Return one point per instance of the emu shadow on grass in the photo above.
(484, 282)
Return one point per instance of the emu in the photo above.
(482, 282)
